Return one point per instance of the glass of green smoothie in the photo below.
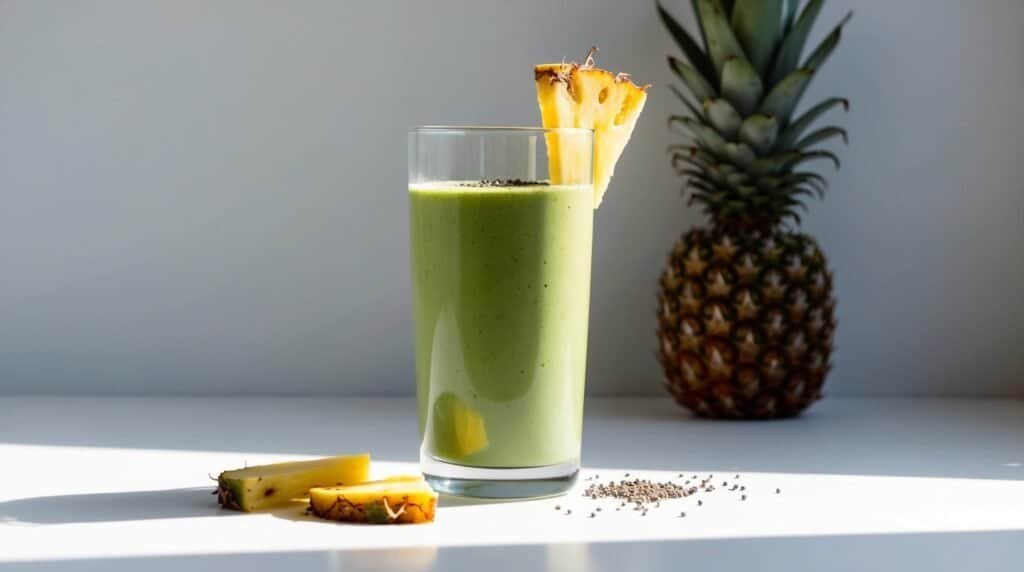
(501, 250)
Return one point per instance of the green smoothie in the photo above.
(501, 287)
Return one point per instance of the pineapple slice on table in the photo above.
(583, 96)
(268, 486)
(396, 500)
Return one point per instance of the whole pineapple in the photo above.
(746, 310)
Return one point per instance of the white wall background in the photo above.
(209, 196)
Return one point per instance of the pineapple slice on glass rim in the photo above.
(585, 96)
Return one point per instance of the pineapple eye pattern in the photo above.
(746, 328)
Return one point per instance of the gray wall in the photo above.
(209, 196)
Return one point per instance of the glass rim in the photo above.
(456, 129)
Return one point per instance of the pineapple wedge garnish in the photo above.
(574, 95)
(397, 500)
(268, 486)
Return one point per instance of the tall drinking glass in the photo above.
(501, 223)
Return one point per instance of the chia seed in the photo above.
(502, 183)
(640, 492)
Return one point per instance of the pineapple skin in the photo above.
(402, 500)
(269, 486)
(746, 323)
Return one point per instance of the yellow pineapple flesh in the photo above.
(269, 486)
(583, 96)
(397, 500)
(458, 429)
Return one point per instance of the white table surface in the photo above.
(122, 484)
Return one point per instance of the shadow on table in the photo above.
(111, 507)
(977, 439)
(150, 505)
(296, 426)
(975, 551)
(297, 512)
(974, 439)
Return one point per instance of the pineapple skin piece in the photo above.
(396, 500)
(268, 486)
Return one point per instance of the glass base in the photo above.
(485, 483)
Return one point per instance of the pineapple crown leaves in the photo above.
(744, 79)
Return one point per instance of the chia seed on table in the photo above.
(641, 495)
(640, 492)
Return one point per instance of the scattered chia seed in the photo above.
(737, 476)
(640, 492)
(558, 507)
(642, 495)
